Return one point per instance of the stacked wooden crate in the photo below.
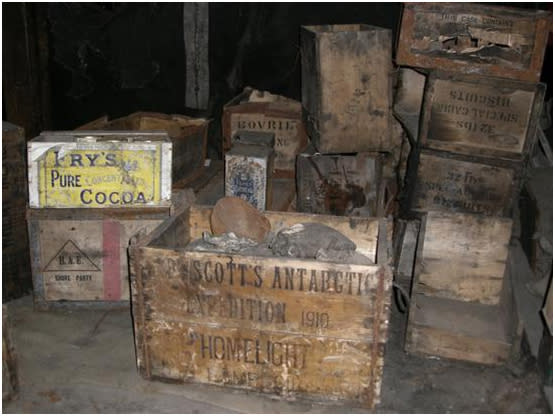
(89, 193)
(478, 121)
(347, 100)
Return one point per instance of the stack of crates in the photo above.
(89, 193)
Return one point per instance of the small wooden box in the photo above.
(347, 87)
(480, 116)
(339, 184)
(16, 267)
(188, 136)
(462, 257)
(474, 39)
(99, 169)
(464, 184)
(248, 170)
(293, 327)
(260, 111)
(79, 256)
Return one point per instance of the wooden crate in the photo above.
(99, 169)
(10, 377)
(339, 184)
(188, 136)
(261, 111)
(79, 256)
(475, 39)
(462, 257)
(465, 184)
(247, 174)
(458, 330)
(347, 87)
(16, 267)
(292, 327)
(481, 116)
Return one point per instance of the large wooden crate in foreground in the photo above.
(475, 39)
(271, 324)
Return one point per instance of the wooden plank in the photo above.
(195, 34)
(10, 373)
(463, 184)
(188, 136)
(16, 268)
(279, 325)
(485, 40)
(457, 330)
(480, 116)
(255, 110)
(347, 86)
(463, 257)
(409, 94)
(91, 169)
(339, 184)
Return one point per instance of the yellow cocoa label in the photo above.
(99, 178)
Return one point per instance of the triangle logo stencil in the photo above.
(71, 258)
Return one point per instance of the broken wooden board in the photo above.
(456, 183)
(99, 169)
(347, 87)
(291, 327)
(16, 268)
(406, 242)
(261, 111)
(480, 116)
(188, 136)
(457, 330)
(477, 39)
(339, 184)
(79, 256)
(409, 93)
(462, 257)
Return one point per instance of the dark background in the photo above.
(65, 64)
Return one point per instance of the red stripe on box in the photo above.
(112, 269)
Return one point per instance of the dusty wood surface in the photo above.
(480, 116)
(409, 94)
(280, 325)
(469, 185)
(479, 39)
(347, 87)
(16, 268)
(10, 377)
(234, 214)
(188, 136)
(339, 184)
(457, 330)
(261, 111)
(463, 257)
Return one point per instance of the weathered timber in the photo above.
(261, 111)
(339, 184)
(465, 184)
(462, 257)
(292, 327)
(457, 330)
(409, 94)
(347, 87)
(478, 39)
(188, 136)
(10, 378)
(480, 116)
(16, 267)
(79, 256)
